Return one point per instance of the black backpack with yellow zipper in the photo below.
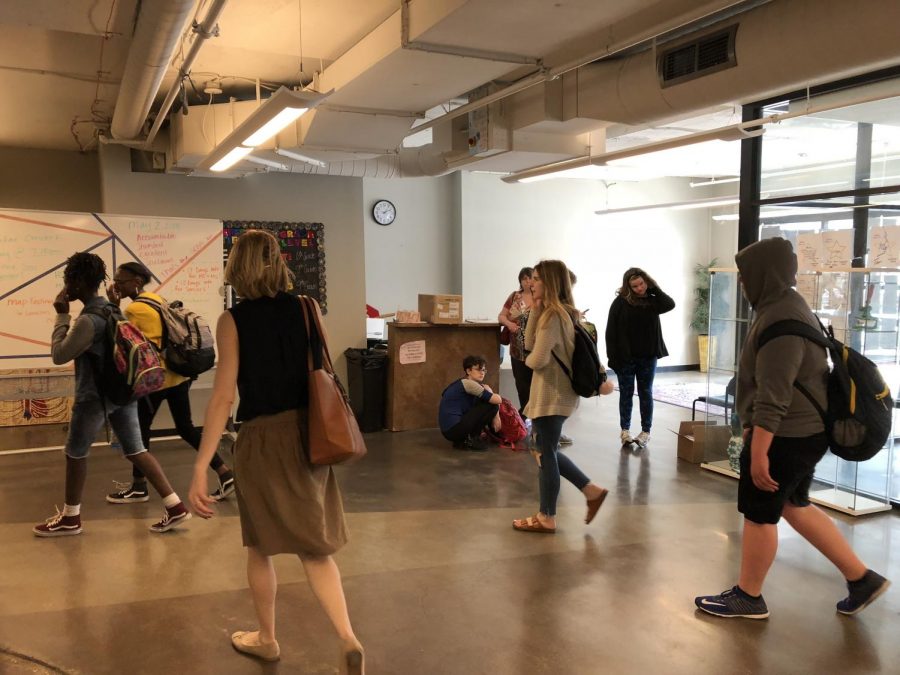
(860, 407)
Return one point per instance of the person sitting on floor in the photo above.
(468, 407)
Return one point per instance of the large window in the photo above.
(830, 183)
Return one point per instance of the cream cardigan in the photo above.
(551, 389)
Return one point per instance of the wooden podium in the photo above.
(414, 388)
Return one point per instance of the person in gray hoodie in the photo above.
(784, 439)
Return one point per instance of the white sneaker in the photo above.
(625, 437)
(642, 439)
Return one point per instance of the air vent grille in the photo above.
(702, 56)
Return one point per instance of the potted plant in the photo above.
(700, 314)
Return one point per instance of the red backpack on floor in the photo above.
(512, 426)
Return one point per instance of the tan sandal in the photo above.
(593, 505)
(532, 524)
(241, 640)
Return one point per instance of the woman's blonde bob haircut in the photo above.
(255, 267)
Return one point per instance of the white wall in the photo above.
(419, 251)
(505, 227)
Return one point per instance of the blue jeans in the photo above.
(87, 419)
(553, 463)
(644, 369)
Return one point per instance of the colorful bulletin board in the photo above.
(184, 255)
(302, 246)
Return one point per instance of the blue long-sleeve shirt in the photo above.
(457, 399)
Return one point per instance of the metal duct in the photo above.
(780, 47)
(156, 37)
(408, 163)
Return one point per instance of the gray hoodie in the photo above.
(766, 395)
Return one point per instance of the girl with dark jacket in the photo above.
(634, 342)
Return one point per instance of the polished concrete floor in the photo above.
(437, 580)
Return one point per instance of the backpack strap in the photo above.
(803, 330)
(155, 305)
(559, 360)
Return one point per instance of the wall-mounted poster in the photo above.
(884, 247)
(825, 250)
(303, 249)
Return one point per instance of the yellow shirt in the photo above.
(148, 321)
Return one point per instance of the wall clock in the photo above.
(384, 212)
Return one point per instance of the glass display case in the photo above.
(862, 306)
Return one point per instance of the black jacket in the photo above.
(634, 331)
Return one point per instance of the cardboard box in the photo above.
(441, 308)
(703, 442)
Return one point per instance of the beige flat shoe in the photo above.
(248, 642)
(354, 661)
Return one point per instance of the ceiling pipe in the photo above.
(156, 37)
(546, 74)
(205, 30)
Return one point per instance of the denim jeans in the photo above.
(553, 463)
(644, 369)
(178, 398)
(88, 417)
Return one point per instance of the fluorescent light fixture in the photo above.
(679, 206)
(300, 158)
(805, 187)
(273, 126)
(234, 156)
(714, 181)
(882, 178)
(274, 114)
(268, 162)
(594, 172)
(730, 133)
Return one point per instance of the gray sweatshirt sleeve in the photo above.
(472, 387)
(67, 344)
(777, 367)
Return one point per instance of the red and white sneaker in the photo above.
(58, 526)
(172, 517)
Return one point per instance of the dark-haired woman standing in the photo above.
(634, 342)
(512, 317)
(129, 282)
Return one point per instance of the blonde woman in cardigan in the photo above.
(550, 331)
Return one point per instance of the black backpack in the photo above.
(860, 406)
(587, 374)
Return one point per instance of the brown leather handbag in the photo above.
(334, 435)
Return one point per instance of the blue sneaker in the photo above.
(863, 593)
(732, 604)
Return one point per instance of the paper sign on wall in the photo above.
(824, 250)
(884, 247)
(838, 249)
(412, 352)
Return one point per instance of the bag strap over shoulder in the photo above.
(797, 328)
(804, 330)
(318, 338)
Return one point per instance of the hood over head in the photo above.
(768, 269)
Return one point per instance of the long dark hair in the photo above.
(524, 273)
(625, 291)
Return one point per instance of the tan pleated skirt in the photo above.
(287, 505)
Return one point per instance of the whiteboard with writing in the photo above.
(184, 255)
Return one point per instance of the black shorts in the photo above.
(792, 463)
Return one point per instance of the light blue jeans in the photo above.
(88, 417)
(553, 463)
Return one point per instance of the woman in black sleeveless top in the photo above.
(286, 504)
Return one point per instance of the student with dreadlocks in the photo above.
(84, 342)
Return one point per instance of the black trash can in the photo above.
(366, 384)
